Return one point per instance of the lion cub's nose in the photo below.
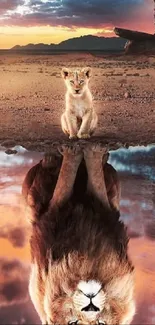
(77, 91)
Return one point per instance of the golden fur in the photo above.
(82, 241)
(80, 118)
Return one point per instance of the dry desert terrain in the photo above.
(32, 98)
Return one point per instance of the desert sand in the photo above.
(32, 98)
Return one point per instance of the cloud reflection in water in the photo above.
(137, 174)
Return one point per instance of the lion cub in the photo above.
(79, 119)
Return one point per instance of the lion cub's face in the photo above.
(76, 80)
(92, 303)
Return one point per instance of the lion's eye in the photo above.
(81, 81)
(72, 81)
(73, 322)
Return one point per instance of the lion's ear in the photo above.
(87, 71)
(65, 73)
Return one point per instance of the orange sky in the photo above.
(42, 34)
(15, 35)
(24, 21)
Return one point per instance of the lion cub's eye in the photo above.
(72, 81)
(81, 82)
(73, 322)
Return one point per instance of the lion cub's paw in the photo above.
(98, 148)
(83, 135)
(73, 136)
(73, 150)
(96, 151)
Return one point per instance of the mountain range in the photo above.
(83, 43)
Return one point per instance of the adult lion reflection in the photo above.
(81, 273)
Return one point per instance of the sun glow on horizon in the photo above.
(14, 35)
(43, 21)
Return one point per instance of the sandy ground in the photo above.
(32, 98)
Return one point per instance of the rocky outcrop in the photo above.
(140, 47)
(132, 35)
(138, 42)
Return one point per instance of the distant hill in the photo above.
(83, 43)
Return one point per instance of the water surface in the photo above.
(137, 174)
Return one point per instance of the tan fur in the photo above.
(80, 118)
(35, 291)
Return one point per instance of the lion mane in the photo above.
(82, 240)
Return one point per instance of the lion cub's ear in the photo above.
(64, 73)
(87, 71)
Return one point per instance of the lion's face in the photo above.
(76, 80)
(91, 303)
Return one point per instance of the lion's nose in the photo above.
(77, 91)
(90, 295)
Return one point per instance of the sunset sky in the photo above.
(52, 21)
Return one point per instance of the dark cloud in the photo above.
(14, 287)
(12, 314)
(13, 291)
(88, 13)
(9, 5)
(9, 266)
(16, 235)
(133, 233)
(150, 230)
